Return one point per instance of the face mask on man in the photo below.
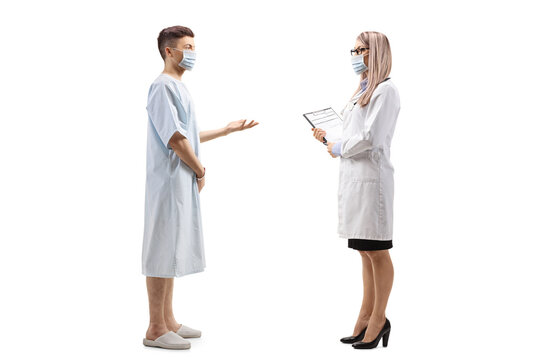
(358, 64)
(188, 61)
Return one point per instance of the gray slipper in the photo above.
(169, 340)
(187, 332)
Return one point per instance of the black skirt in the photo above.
(368, 245)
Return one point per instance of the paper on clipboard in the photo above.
(328, 120)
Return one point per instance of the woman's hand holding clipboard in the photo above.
(326, 124)
(319, 134)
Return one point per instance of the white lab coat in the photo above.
(366, 175)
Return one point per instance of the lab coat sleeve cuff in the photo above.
(336, 148)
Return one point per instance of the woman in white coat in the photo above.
(366, 182)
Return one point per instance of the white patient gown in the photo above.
(173, 238)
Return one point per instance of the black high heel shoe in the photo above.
(353, 339)
(384, 334)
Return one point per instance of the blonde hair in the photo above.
(379, 65)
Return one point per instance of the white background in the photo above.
(279, 282)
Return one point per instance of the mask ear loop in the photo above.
(182, 51)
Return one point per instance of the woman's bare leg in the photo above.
(368, 300)
(383, 273)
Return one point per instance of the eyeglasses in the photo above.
(358, 51)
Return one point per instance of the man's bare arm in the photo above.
(213, 134)
(233, 126)
(181, 146)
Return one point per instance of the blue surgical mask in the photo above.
(358, 64)
(188, 61)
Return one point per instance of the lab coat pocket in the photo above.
(364, 168)
(361, 207)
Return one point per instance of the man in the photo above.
(173, 238)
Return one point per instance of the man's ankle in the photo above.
(173, 326)
(156, 330)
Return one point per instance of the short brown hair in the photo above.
(169, 36)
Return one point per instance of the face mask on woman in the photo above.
(358, 64)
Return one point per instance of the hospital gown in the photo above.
(173, 238)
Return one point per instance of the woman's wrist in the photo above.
(336, 148)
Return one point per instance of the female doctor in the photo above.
(366, 182)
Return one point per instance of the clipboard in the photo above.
(328, 120)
